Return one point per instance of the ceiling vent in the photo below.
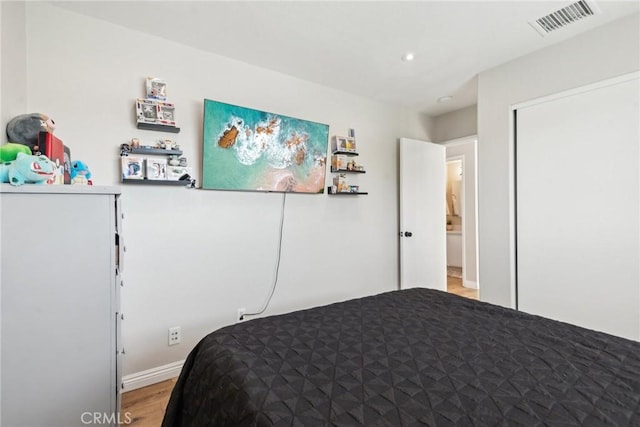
(565, 16)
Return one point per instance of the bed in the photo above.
(407, 358)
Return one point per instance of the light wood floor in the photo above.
(146, 405)
(454, 286)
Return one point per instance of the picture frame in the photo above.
(245, 149)
(156, 169)
(147, 110)
(174, 173)
(132, 167)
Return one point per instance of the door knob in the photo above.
(408, 234)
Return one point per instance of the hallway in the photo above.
(454, 286)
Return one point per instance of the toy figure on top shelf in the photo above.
(155, 112)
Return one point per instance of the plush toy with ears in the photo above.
(79, 172)
(24, 129)
(27, 169)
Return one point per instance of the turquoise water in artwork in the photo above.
(246, 149)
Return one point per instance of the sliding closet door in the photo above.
(577, 182)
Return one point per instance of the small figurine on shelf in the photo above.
(125, 149)
(135, 143)
(167, 144)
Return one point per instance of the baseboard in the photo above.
(469, 284)
(151, 376)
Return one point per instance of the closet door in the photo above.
(577, 192)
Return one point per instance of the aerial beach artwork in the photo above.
(252, 150)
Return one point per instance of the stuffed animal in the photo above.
(9, 151)
(24, 129)
(27, 169)
(80, 173)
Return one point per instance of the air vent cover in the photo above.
(565, 16)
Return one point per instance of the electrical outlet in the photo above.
(241, 315)
(175, 335)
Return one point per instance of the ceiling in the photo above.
(357, 46)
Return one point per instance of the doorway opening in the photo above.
(461, 189)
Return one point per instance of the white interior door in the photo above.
(577, 208)
(423, 245)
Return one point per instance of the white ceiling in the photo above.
(357, 46)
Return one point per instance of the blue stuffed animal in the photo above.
(27, 169)
(79, 173)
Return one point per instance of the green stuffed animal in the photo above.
(27, 169)
(10, 150)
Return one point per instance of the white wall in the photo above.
(607, 51)
(13, 63)
(195, 256)
(456, 124)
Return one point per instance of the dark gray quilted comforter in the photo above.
(408, 358)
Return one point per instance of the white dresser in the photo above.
(60, 279)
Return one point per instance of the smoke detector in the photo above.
(565, 16)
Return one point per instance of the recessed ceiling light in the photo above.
(409, 56)
(445, 98)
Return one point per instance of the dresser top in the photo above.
(58, 189)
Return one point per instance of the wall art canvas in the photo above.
(252, 150)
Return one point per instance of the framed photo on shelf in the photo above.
(147, 111)
(174, 173)
(156, 169)
(132, 167)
